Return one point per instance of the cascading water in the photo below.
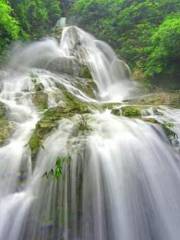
(94, 176)
(105, 67)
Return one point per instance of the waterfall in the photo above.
(69, 168)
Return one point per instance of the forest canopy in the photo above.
(9, 27)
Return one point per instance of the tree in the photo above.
(36, 17)
(9, 28)
(128, 26)
(164, 58)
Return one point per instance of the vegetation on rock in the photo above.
(168, 129)
(5, 125)
(160, 98)
(127, 111)
(40, 99)
(52, 116)
(57, 171)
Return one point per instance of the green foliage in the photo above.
(58, 167)
(26, 19)
(9, 28)
(164, 58)
(127, 111)
(57, 171)
(83, 126)
(131, 111)
(36, 17)
(133, 29)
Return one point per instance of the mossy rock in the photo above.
(85, 72)
(131, 111)
(39, 97)
(168, 129)
(87, 86)
(40, 100)
(127, 111)
(35, 143)
(2, 110)
(52, 116)
(82, 126)
(57, 33)
(150, 120)
(160, 98)
(6, 128)
(166, 126)
(38, 87)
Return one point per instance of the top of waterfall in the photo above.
(61, 22)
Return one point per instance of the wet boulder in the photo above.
(5, 130)
(2, 110)
(67, 65)
(6, 126)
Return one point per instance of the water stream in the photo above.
(120, 177)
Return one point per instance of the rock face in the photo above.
(161, 98)
(2, 110)
(127, 111)
(64, 65)
(5, 125)
(50, 118)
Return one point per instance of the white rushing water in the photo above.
(120, 177)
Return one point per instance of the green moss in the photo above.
(168, 129)
(5, 126)
(5, 130)
(35, 143)
(57, 32)
(84, 72)
(127, 111)
(83, 126)
(40, 100)
(150, 120)
(88, 86)
(50, 119)
(39, 97)
(38, 87)
(2, 110)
